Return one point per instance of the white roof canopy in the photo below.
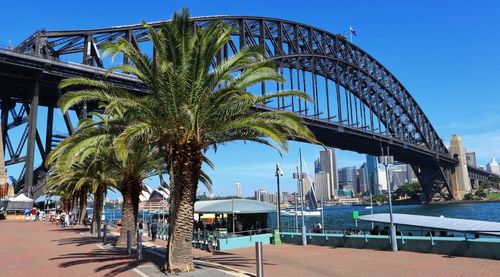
(238, 206)
(21, 198)
(434, 222)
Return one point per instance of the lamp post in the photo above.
(278, 173)
(387, 160)
(299, 176)
(371, 206)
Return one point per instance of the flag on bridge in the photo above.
(352, 31)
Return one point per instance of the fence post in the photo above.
(129, 242)
(139, 244)
(259, 259)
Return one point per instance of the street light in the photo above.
(300, 177)
(387, 160)
(278, 173)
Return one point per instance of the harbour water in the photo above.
(340, 217)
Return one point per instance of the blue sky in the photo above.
(445, 53)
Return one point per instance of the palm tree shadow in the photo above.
(117, 261)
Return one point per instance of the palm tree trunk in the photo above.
(97, 214)
(74, 204)
(185, 170)
(83, 206)
(130, 208)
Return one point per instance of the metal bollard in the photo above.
(105, 233)
(259, 259)
(139, 244)
(129, 242)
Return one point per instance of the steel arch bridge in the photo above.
(357, 104)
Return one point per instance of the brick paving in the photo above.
(296, 260)
(311, 260)
(42, 249)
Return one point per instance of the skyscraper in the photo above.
(322, 186)
(327, 163)
(493, 167)
(348, 178)
(362, 179)
(471, 158)
(372, 174)
(237, 190)
(381, 181)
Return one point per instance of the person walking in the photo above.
(154, 230)
(27, 213)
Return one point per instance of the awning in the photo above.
(238, 206)
(440, 223)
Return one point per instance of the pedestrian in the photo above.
(71, 219)
(27, 213)
(119, 225)
(37, 215)
(154, 230)
(33, 213)
(62, 219)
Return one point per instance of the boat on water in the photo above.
(299, 213)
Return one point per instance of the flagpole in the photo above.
(350, 32)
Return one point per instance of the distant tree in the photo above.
(469, 196)
(480, 193)
(380, 198)
(413, 191)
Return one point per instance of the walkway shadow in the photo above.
(117, 261)
(233, 260)
(79, 241)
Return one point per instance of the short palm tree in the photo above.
(93, 141)
(194, 102)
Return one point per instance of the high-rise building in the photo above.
(265, 196)
(327, 163)
(493, 167)
(471, 158)
(410, 175)
(397, 176)
(348, 178)
(372, 174)
(362, 179)
(322, 186)
(237, 190)
(381, 181)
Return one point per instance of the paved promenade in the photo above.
(296, 260)
(42, 249)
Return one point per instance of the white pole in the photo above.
(394, 242)
(350, 33)
(304, 241)
(371, 206)
(232, 211)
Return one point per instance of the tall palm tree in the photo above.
(192, 104)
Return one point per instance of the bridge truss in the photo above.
(357, 104)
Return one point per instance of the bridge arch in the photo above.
(394, 117)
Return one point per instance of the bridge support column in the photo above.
(30, 155)
(460, 181)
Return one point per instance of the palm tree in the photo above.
(85, 173)
(192, 105)
(94, 140)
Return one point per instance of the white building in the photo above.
(237, 190)
(322, 186)
(493, 167)
(382, 180)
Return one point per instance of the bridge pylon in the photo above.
(460, 181)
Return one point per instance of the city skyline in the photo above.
(421, 53)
